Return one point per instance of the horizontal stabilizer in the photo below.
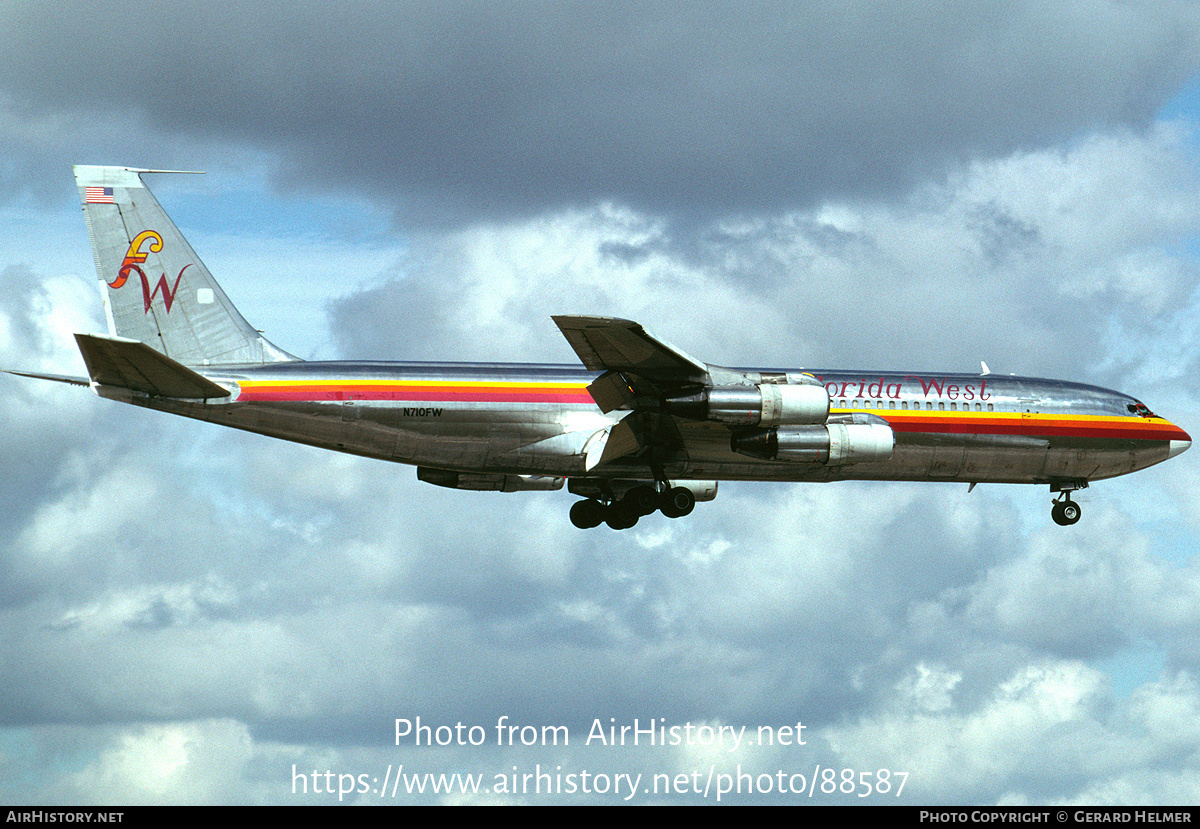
(57, 378)
(130, 364)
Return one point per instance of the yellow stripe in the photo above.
(963, 414)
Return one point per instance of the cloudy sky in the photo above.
(192, 615)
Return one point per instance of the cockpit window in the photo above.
(1139, 408)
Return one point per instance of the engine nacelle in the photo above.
(484, 481)
(832, 444)
(767, 404)
(703, 490)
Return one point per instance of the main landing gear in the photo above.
(1064, 511)
(623, 513)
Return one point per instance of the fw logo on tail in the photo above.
(135, 257)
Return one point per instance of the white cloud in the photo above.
(1001, 261)
(980, 753)
(202, 608)
(187, 763)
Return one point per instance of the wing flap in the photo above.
(617, 441)
(130, 364)
(611, 391)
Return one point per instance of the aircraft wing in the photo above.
(610, 344)
(639, 370)
(635, 363)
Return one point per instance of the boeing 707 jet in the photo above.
(640, 427)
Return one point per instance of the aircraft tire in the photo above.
(587, 513)
(677, 502)
(642, 499)
(620, 516)
(1065, 513)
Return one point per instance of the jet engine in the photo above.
(767, 404)
(832, 443)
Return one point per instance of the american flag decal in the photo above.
(98, 195)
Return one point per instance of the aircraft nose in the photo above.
(1178, 447)
(1179, 442)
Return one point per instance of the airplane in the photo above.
(640, 427)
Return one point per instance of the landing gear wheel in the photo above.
(621, 515)
(641, 499)
(676, 502)
(1065, 513)
(587, 513)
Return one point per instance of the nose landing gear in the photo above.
(1064, 511)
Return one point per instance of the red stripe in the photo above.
(1084, 427)
(413, 394)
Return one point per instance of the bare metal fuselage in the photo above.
(535, 420)
(640, 427)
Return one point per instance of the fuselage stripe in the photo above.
(902, 422)
(1035, 425)
(429, 391)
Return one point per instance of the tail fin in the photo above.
(155, 287)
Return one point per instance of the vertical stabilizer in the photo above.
(155, 287)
